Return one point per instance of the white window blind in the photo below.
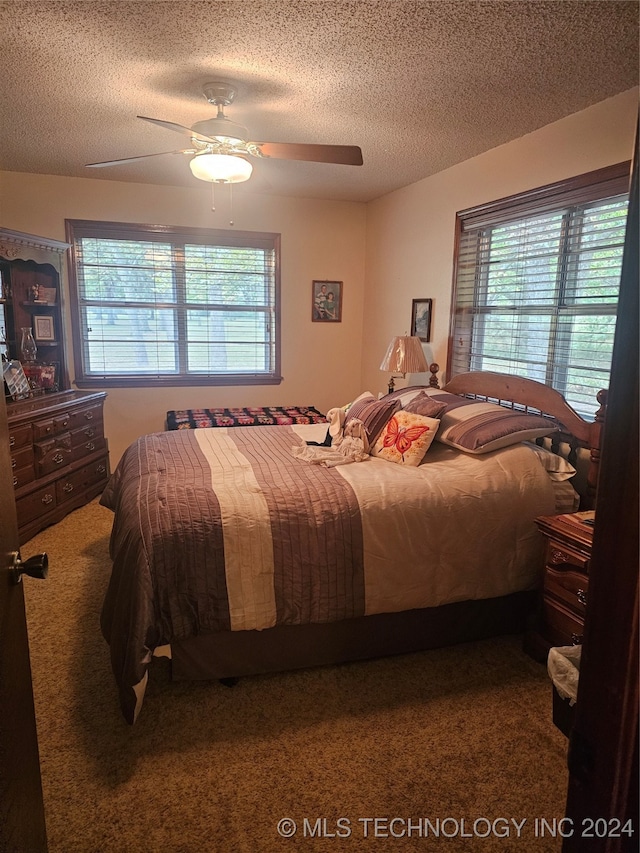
(168, 305)
(536, 287)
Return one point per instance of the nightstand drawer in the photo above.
(569, 587)
(562, 628)
(558, 555)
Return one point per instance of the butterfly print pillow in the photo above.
(406, 438)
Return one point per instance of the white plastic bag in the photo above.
(563, 666)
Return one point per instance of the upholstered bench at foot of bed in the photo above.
(246, 416)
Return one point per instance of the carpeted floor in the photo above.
(459, 737)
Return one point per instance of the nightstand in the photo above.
(560, 617)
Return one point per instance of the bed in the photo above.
(235, 555)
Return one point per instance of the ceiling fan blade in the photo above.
(180, 128)
(140, 157)
(347, 155)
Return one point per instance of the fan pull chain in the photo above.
(231, 203)
(213, 197)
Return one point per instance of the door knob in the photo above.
(35, 567)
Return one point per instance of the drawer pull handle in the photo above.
(47, 499)
(68, 487)
(576, 639)
(65, 423)
(15, 481)
(101, 469)
(12, 440)
(48, 429)
(58, 458)
(88, 416)
(581, 596)
(90, 445)
(89, 432)
(14, 463)
(558, 557)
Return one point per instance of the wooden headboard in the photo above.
(526, 395)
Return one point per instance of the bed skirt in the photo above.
(230, 654)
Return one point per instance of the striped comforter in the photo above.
(220, 530)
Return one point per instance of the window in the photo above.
(160, 305)
(536, 285)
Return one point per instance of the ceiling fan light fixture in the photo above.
(221, 168)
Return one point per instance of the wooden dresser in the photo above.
(560, 617)
(59, 456)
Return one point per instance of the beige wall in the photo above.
(395, 249)
(410, 233)
(321, 363)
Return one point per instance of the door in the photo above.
(22, 825)
(602, 800)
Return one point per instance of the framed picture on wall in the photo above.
(326, 301)
(421, 319)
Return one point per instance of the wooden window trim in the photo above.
(580, 189)
(203, 236)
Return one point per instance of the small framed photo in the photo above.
(43, 328)
(326, 301)
(15, 380)
(421, 319)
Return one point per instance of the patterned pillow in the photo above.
(373, 413)
(406, 438)
(479, 427)
(425, 405)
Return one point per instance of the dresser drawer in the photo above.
(569, 587)
(22, 467)
(22, 458)
(53, 454)
(87, 432)
(21, 436)
(22, 476)
(34, 505)
(61, 422)
(92, 445)
(68, 486)
(87, 415)
(562, 628)
(56, 439)
(43, 429)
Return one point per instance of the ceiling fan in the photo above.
(221, 148)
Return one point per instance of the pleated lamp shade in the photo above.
(405, 355)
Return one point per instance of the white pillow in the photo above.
(556, 466)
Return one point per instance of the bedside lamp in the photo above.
(404, 355)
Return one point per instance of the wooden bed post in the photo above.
(594, 447)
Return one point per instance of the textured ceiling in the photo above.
(419, 86)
